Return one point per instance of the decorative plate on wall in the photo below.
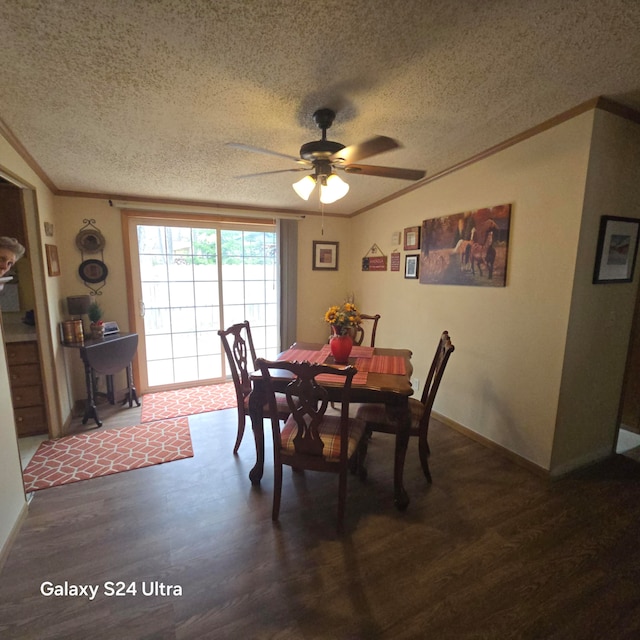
(90, 241)
(93, 271)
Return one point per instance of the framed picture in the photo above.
(325, 256)
(468, 248)
(411, 266)
(53, 264)
(411, 238)
(617, 250)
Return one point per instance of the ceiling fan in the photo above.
(323, 157)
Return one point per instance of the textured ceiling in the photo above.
(139, 97)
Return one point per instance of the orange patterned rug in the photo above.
(187, 402)
(103, 453)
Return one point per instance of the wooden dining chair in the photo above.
(359, 335)
(241, 356)
(377, 418)
(310, 439)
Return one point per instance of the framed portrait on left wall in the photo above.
(53, 264)
(325, 256)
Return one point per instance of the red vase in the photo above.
(341, 348)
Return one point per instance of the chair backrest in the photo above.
(359, 335)
(308, 401)
(241, 355)
(440, 359)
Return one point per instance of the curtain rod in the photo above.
(143, 206)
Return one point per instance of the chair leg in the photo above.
(424, 451)
(359, 458)
(277, 490)
(241, 423)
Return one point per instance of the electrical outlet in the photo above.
(415, 383)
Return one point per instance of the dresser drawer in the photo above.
(22, 353)
(24, 375)
(27, 396)
(30, 421)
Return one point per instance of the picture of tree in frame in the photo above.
(617, 250)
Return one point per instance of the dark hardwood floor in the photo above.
(488, 551)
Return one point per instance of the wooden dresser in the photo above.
(27, 391)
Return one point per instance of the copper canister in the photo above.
(78, 333)
(68, 332)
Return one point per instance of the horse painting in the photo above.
(467, 248)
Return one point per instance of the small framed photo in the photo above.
(53, 264)
(617, 250)
(411, 238)
(411, 266)
(325, 256)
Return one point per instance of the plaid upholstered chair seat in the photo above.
(377, 414)
(329, 432)
(310, 439)
(281, 404)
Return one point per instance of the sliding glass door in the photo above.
(190, 279)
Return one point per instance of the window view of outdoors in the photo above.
(195, 281)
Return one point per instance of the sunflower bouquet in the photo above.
(343, 319)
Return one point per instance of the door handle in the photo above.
(141, 304)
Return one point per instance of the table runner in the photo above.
(362, 352)
(365, 362)
(305, 355)
(359, 378)
(395, 365)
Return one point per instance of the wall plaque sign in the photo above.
(395, 261)
(374, 260)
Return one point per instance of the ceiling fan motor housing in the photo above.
(319, 149)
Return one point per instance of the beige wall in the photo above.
(38, 208)
(318, 290)
(71, 214)
(12, 500)
(503, 381)
(601, 315)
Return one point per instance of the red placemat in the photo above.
(305, 355)
(359, 379)
(361, 352)
(395, 365)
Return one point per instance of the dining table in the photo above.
(384, 376)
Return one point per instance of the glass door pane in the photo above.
(192, 281)
(249, 285)
(179, 284)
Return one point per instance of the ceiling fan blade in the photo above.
(385, 172)
(267, 173)
(268, 152)
(365, 149)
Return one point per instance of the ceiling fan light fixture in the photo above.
(332, 189)
(304, 187)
